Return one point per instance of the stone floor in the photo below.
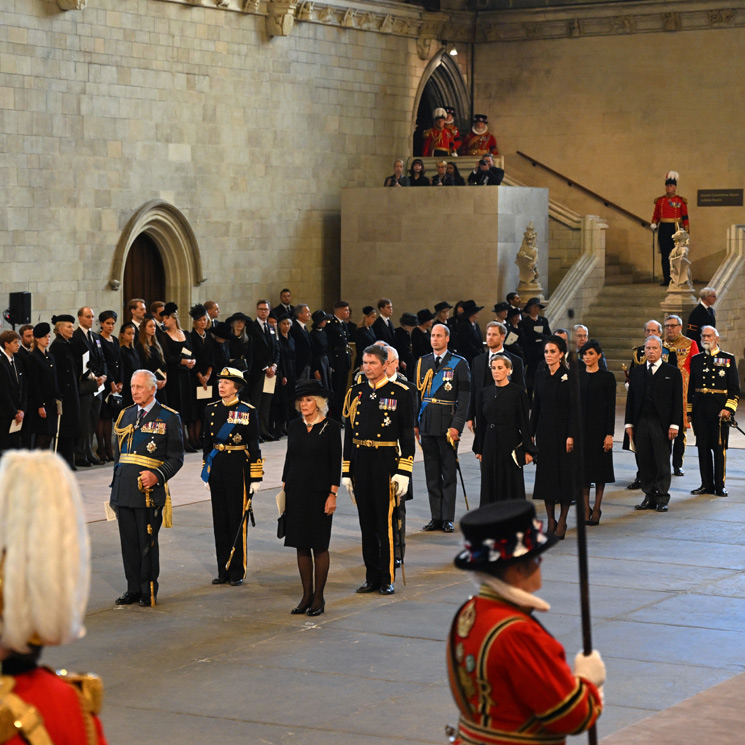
(223, 664)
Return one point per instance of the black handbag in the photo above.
(281, 525)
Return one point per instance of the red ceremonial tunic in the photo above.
(474, 144)
(510, 679)
(61, 708)
(671, 209)
(438, 142)
(455, 137)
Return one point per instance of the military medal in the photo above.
(721, 373)
(373, 396)
(448, 386)
(237, 438)
(151, 446)
(386, 420)
(466, 620)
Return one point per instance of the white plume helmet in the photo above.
(45, 551)
(672, 176)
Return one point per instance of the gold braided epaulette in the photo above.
(90, 687)
(168, 408)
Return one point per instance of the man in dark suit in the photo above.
(149, 450)
(480, 366)
(383, 326)
(444, 384)
(264, 367)
(340, 354)
(702, 315)
(12, 390)
(654, 416)
(713, 395)
(91, 372)
(301, 334)
(285, 304)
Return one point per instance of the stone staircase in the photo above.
(617, 321)
(620, 273)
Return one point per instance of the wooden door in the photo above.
(144, 275)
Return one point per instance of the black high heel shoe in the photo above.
(595, 522)
(317, 611)
(300, 608)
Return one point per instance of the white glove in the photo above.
(347, 484)
(590, 667)
(653, 226)
(401, 483)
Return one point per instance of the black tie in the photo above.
(437, 363)
(140, 416)
(267, 334)
(14, 368)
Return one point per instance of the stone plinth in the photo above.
(420, 246)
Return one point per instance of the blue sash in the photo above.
(437, 380)
(222, 437)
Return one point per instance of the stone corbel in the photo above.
(280, 17)
(430, 33)
(251, 6)
(348, 20)
(71, 4)
(306, 12)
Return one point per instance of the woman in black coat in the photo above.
(534, 330)
(320, 366)
(67, 384)
(598, 406)
(553, 423)
(310, 480)
(151, 355)
(502, 428)
(364, 336)
(130, 360)
(42, 390)
(286, 397)
(201, 344)
(112, 403)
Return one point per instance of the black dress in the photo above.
(420, 343)
(364, 337)
(598, 399)
(130, 363)
(178, 385)
(312, 467)
(156, 364)
(202, 348)
(552, 421)
(112, 356)
(286, 393)
(67, 385)
(501, 426)
(42, 393)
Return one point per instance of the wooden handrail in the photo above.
(606, 202)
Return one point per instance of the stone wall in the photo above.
(250, 138)
(615, 112)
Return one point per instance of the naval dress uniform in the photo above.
(667, 212)
(378, 444)
(232, 465)
(714, 385)
(151, 441)
(444, 393)
(510, 679)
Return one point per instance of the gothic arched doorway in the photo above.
(442, 84)
(165, 258)
(144, 275)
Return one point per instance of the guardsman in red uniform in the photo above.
(479, 140)
(438, 141)
(450, 125)
(45, 585)
(669, 210)
(713, 395)
(508, 675)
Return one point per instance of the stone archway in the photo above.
(177, 246)
(441, 84)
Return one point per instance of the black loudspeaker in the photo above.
(19, 310)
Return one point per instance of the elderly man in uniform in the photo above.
(508, 675)
(669, 210)
(479, 141)
(45, 587)
(654, 415)
(149, 450)
(702, 315)
(444, 384)
(684, 349)
(377, 462)
(713, 394)
(232, 466)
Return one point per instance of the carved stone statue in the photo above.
(280, 17)
(71, 4)
(680, 290)
(527, 263)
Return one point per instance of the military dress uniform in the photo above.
(683, 350)
(340, 357)
(152, 442)
(479, 144)
(445, 392)
(714, 385)
(232, 465)
(438, 143)
(378, 444)
(39, 706)
(667, 212)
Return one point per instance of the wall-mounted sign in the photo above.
(720, 197)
